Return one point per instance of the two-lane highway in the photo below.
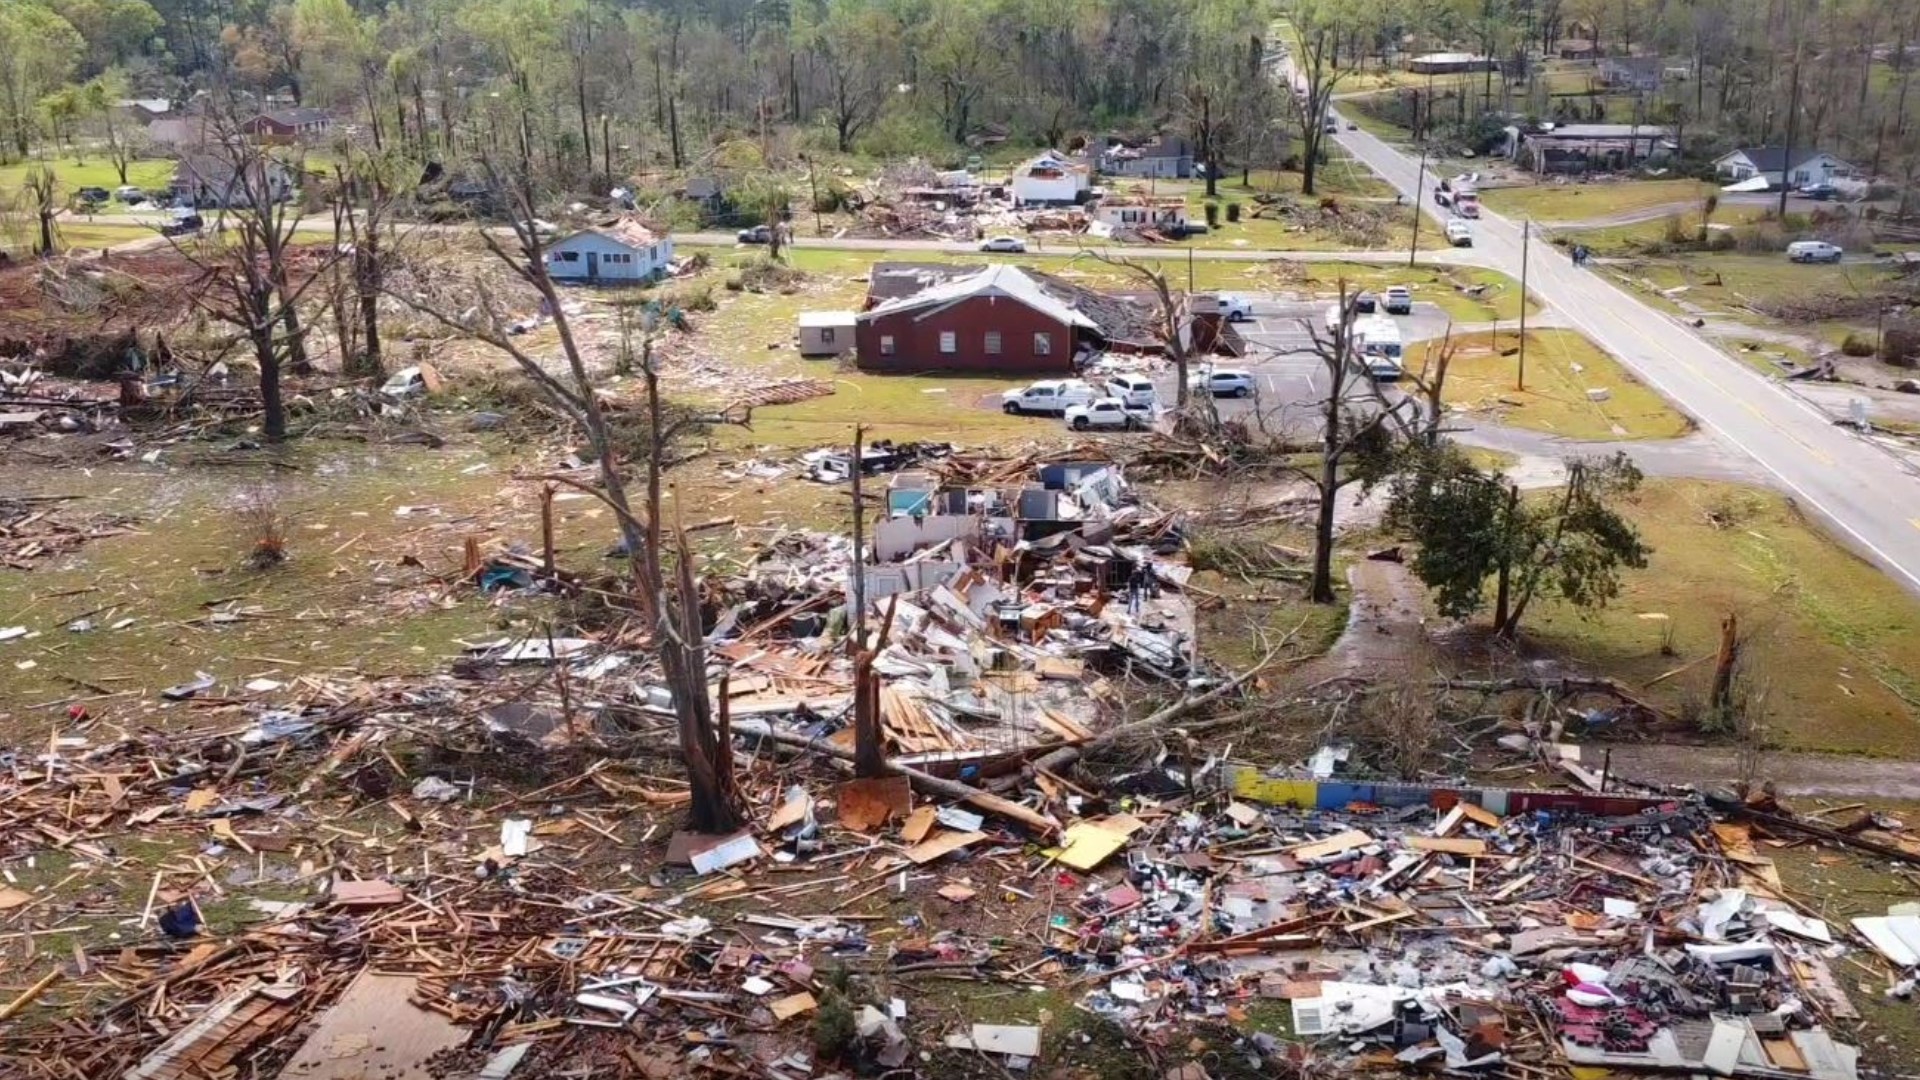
(1862, 493)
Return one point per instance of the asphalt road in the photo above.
(1866, 496)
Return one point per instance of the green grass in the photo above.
(93, 172)
(1430, 283)
(1729, 281)
(1832, 641)
(1643, 237)
(73, 234)
(1757, 355)
(321, 611)
(1283, 234)
(1561, 366)
(1549, 203)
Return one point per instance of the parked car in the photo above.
(1814, 251)
(1365, 303)
(1222, 382)
(1051, 397)
(1331, 127)
(759, 234)
(1399, 301)
(1235, 308)
(1010, 244)
(1819, 192)
(1466, 204)
(92, 194)
(1459, 233)
(1136, 390)
(1108, 413)
(130, 195)
(1351, 126)
(183, 225)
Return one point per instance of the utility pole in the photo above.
(1526, 234)
(1420, 182)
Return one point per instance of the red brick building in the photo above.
(1006, 320)
(997, 319)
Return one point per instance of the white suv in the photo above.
(1136, 390)
(1222, 382)
(1235, 308)
(1052, 397)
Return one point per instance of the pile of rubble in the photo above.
(479, 874)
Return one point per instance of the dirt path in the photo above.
(1792, 774)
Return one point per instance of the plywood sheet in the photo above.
(374, 1031)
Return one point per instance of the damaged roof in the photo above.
(901, 286)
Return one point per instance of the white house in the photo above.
(623, 252)
(1809, 166)
(1140, 212)
(213, 181)
(827, 333)
(1051, 179)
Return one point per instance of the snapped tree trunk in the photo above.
(1322, 589)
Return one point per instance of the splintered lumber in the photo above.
(28, 995)
(1445, 845)
(926, 782)
(1059, 761)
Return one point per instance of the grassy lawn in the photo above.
(1561, 366)
(1285, 234)
(1729, 282)
(1833, 643)
(96, 172)
(1548, 203)
(101, 235)
(1759, 355)
(1442, 285)
(1647, 236)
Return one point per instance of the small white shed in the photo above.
(826, 333)
(626, 252)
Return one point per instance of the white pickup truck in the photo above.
(1108, 414)
(1050, 397)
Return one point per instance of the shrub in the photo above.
(1900, 344)
(1233, 211)
(265, 528)
(691, 296)
(1856, 345)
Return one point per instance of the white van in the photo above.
(1814, 251)
(1378, 343)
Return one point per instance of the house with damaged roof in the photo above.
(1006, 319)
(625, 252)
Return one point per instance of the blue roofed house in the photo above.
(626, 252)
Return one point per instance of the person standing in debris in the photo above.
(1136, 587)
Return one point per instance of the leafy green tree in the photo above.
(38, 50)
(115, 31)
(1472, 526)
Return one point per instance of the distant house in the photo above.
(1638, 73)
(1051, 179)
(1583, 148)
(1002, 319)
(211, 181)
(288, 125)
(1576, 49)
(988, 134)
(1140, 212)
(626, 252)
(1809, 166)
(1163, 157)
(706, 192)
(144, 110)
(827, 333)
(1450, 63)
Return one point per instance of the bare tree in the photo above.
(125, 142)
(244, 267)
(42, 193)
(669, 597)
(1172, 326)
(1322, 73)
(1356, 431)
(366, 187)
